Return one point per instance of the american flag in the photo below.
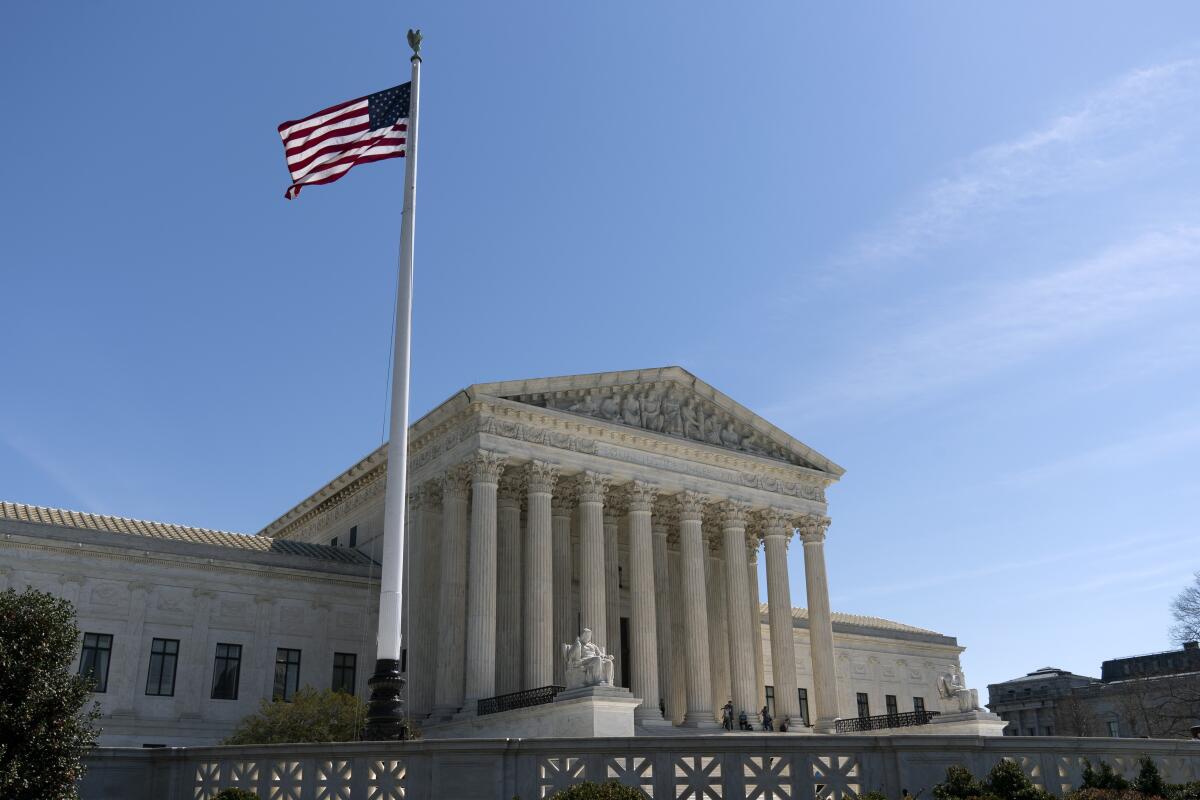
(324, 146)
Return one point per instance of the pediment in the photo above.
(669, 401)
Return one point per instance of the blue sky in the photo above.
(954, 247)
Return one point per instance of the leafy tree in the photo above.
(610, 790)
(1186, 610)
(1103, 778)
(235, 794)
(44, 729)
(311, 716)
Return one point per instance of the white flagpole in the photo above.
(386, 711)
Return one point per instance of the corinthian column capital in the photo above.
(642, 496)
(691, 506)
(593, 487)
(456, 482)
(486, 466)
(777, 522)
(541, 477)
(511, 488)
(428, 495)
(732, 513)
(812, 528)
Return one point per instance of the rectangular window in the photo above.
(770, 699)
(164, 658)
(344, 665)
(918, 704)
(1113, 728)
(287, 674)
(226, 671)
(93, 661)
(864, 706)
(804, 706)
(892, 707)
(333, 542)
(354, 536)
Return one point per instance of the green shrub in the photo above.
(874, 794)
(1183, 791)
(1105, 794)
(1103, 778)
(44, 726)
(311, 716)
(610, 790)
(959, 784)
(235, 794)
(1009, 782)
(1149, 781)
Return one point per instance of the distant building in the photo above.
(1155, 695)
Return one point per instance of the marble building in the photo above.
(638, 504)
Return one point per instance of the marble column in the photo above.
(662, 608)
(452, 594)
(676, 700)
(752, 545)
(540, 648)
(508, 582)
(562, 508)
(643, 648)
(423, 589)
(592, 490)
(779, 608)
(612, 593)
(718, 630)
(737, 593)
(692, 552)
(480, 676)
(820, 624)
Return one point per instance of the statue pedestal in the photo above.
(596, 711)
(964, 723)
(586, 712)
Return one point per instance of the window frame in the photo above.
(864, 705)
(802, 697)
(97, 650)
(892, 705)
(353, 536)
(353, 669)
(918, 704)
(162, 657)
(287, 693)
(769, 699)
(219, 670)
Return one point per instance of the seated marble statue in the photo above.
(587, 663)
(952, 686)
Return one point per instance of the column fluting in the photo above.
(612, 593)
(422, 644)
(779, 609)
(592, 489)
(677, 698)
(737, 597)
(480, 677)
(539, 578)
(718, 628)
(562, 509)
(820, 624)
(643, 647)
(509, 622)
(662, 608)
(452, 595)
(752, 545)
(692, 554)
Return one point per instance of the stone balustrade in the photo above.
(733, 766)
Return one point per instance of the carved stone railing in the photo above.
(522, 699)
(734, 767)
(884, 721)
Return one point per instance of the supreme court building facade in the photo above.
(637, 504)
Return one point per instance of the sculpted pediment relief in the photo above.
(668, 409)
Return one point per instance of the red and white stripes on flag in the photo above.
(325, 146)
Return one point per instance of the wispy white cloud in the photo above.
(1116, 131)
(50, 465)
(1010, 323)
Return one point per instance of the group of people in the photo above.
(768, 722)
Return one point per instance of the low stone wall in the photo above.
(730, 766)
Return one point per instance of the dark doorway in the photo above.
(623, 678)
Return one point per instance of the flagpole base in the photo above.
(385, 709)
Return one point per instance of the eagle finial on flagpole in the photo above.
(414, 41)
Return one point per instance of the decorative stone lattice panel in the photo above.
(244, 775)
(768, 778)
(1032, 767)
(835, 777)
(208, 780)
(385, 779)
(558, 772)
(634, 771)
(287, 780)
(333, 780)
(1068, 773)
(698, 777)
